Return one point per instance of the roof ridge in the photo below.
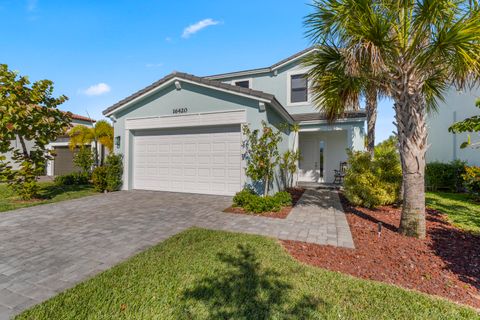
(264, 69)
(197, 79)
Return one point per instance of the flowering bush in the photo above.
(472, 180)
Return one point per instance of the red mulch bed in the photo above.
(446, 263)
(282, 214)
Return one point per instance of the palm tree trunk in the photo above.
(412, 135)
(371, 106)
(26, 155)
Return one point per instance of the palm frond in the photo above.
(334, 89)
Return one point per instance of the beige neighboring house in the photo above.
(63, 162)
(445, 146)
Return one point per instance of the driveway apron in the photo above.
(49, 248)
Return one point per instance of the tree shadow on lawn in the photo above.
(246, 290)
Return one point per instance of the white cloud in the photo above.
(194, 28)
(32, 5)
(97, 89)
(168, 39)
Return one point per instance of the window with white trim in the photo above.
(242, 83)
(298, 88)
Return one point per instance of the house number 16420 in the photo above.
(180, 110)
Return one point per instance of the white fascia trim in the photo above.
(198, 119)
(239, 73)
(293, 59)
(310, 122)
(257, 71)
(146, 94)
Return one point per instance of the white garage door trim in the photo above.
(203, 160)
(187, 120)
(177, 121)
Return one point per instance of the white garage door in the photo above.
(196, 160)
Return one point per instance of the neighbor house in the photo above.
(183, 132)
(444, 145)
(63, 162)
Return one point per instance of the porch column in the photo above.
(350, 138)
(295, 148)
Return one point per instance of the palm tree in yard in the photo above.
(101, 132)
(417, 50)
(336, 89)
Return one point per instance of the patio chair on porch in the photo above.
(340, 174)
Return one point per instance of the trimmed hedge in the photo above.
(109, 176)
(75, 178)
(99, 178)
(445, 176)
(252, 202)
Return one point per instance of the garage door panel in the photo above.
(199, 160)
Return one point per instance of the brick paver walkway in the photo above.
(48, 248)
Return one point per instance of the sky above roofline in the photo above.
(99, 52)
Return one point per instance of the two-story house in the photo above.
(183, 132)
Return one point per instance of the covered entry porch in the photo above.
(323, 148)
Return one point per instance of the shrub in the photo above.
(99, 178)
(114, 172)
(371, 182)
(75, 178)
(472, 181)
(252, 202)
(243, 197)
(84, 160)
(445, 176)
(284, 198)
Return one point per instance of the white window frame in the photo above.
(240, 80)
(289, 89)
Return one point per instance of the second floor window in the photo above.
(298, 88)
(243, 84)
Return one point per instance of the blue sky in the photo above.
(98, 52)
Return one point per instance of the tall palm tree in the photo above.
(101, 132)
(420, 48)
(336, 89)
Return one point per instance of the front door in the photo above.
(312, 161)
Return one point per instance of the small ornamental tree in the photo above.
(29, 115)
(102, 133)
(84, 160)
(289, 159)
(471, 124)
(261, 154)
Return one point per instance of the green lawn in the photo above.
(460, 209)
(201, 274)
(49, 192)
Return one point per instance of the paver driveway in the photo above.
(48, 248)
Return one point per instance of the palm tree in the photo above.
(336, 89)
(101, 132)
(419, 48)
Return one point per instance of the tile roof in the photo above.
(261, 70)
(200, 80)
(81, 118)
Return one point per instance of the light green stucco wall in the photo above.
(196, 99)
(277, 85)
